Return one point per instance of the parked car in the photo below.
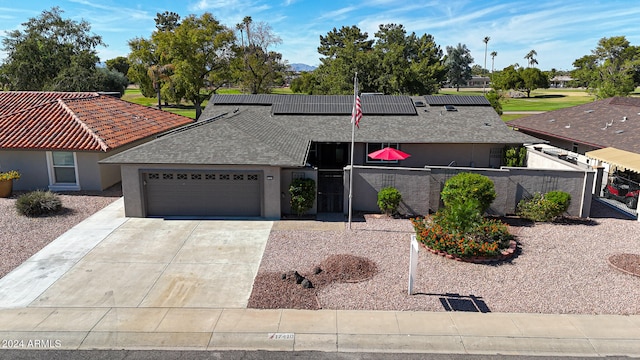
(623, 189)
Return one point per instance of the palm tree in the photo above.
(486, 44)
(531, 58)
(159, 73)
(493, 57)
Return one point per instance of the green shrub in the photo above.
(539, 208)
(465, 186)
(563, 199)
(459, 216)
(303, 194)
(38, 203)
(515, 156)
(389, 199)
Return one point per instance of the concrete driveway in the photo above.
(111, 261)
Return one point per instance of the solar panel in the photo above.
(343, 104)
(465, 100)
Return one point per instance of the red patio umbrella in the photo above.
(389, 153)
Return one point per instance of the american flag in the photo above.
(356, 114)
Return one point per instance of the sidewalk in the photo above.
(27, 324)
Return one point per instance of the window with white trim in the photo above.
(63, 173)
(371, 147)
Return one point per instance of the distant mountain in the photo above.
(302, 67)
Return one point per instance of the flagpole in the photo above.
(353, 136)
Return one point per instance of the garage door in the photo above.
(197, 193)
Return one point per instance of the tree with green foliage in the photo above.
(143, 55)
(494, 99)
(458, 63)
(304, 83)
(200, 50)
(522, 79)
(185, 60)
(119, 64)
(346, 51)
(257, 68)
(111, 80)
(47, 51)
(393, 63)
(533, 78)
(612, 69)
(405, 63)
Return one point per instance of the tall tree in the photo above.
(404, 63)
(257, 67)
(531, 58)
(493, 57)
(200, 50)
(393, 63)
(486, 46)
(459, 65)
(143, 55)
(612, 69)
(48, 45)
(346, 51)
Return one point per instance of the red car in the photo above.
(624, 190)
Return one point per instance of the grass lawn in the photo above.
(509, 117)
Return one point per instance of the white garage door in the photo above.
(199, 193)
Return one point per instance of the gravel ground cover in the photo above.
(21, 236)
(560, 268)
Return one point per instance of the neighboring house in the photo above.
(612, 124)
(560, 81)
(240, 159)
(55, 139)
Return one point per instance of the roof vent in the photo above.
(420, 104)
(450, 108)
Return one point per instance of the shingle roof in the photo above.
(246, 137)
(599, 124)
(254, 135)
(77, 121)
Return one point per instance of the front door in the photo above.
(330, 191)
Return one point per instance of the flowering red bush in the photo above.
(486, 239)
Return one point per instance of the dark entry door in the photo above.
(330, 191)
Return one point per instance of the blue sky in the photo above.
(559, 30)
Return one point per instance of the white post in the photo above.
(413, 262)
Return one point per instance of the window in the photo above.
(371, 147)
(63, 174)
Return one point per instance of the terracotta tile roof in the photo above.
(613, 122)
(77, 121)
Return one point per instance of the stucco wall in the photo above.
(32, 166)
(413, 184)
(420, 188)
